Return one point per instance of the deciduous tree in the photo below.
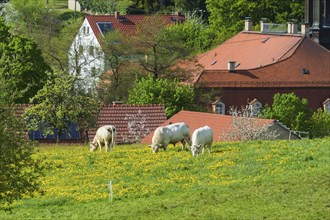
(22, 67)
(172, 94)
(290, 110)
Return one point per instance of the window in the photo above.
(81, 49)
(91, 50)
(255, 106)
(87, 30)
(326, 105)
(93, 71)
(220, 108)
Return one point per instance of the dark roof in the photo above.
(119, 116)
(265, 60)
(220, 124)
(126, 24)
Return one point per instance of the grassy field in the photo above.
(252, 180)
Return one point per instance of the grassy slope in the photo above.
(275, 180)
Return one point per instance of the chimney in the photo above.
(117, 14)
(289, 27)
(231, 65)
(248, 24)
(178, 13)
(305, 29)
(292, 28)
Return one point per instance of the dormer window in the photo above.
(255, 107)
(218, 107)
(326, 105)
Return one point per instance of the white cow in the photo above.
(170, 134)
(106, 136)
(201, 138)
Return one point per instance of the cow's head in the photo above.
(155, 147)
(195, 150)
(93, 146)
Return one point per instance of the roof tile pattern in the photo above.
(304, 63)
(126, 24)
(220, 124)
(119, 116)
(250, 50)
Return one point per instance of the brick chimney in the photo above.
(117, 14)
(248, 24)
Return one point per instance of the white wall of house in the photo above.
(86, 58)
(74, 5)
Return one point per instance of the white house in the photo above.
(86, 58)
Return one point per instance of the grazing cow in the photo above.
(170, 134)
(201, 138)
(106, 136)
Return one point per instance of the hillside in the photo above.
(252, 180)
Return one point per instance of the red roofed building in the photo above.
(86, 57)
(256, 65)
(142, 118)
(220, 124)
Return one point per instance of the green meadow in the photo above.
(247, 180)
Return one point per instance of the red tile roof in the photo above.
(126, 24)
(118, 115)
(220, 124)
(278, 62)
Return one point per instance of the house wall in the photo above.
(72, 6)
(241, 96)
(88, 67)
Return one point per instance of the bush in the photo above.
(20, 171)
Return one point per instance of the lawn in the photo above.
(250, 180)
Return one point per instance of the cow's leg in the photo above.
(106, 143)
(100, 145)
(183, 142)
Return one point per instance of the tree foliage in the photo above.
(172, 94)
(22, 67)
(290, 110)
(20, 171)
(320, 122)
(158, 47)
(60, 103)
(105, 6)
(226, 16)
(118, 79)
(193, 33)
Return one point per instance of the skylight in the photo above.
(104, 27)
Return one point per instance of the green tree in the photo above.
(320, 122)
(22, 67)
(171, 93)
(193, 33)
(232, 14)
(105, 6)
(59, 103)
(289, 110)
(53, 105)
(20, 171)
(115, 83)
(158, 47)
